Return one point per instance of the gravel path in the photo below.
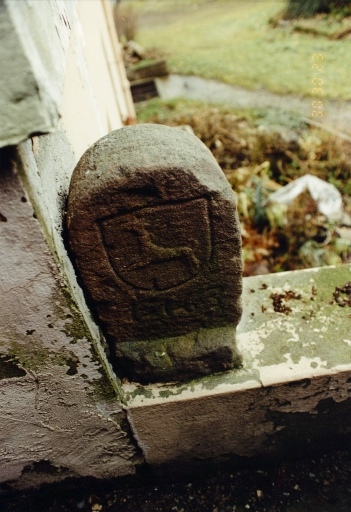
(337, 114)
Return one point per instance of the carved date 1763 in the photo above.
(154, 231)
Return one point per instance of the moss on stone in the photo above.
(103, 388)
(31, 357)
(75, 327)
(138, 391)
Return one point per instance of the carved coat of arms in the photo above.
(159, 247)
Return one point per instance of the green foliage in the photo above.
(164, 109)
(341, 9)
(233, 42)
(307, 8)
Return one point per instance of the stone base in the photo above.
(179, 358)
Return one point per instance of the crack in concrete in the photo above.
(35, 423)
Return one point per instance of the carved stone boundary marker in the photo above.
(153, 227)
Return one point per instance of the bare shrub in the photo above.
(307, 8)
(126, 21)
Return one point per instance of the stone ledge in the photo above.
(35, 39)
(60, 414)
(294, 387)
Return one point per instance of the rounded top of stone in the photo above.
(145, 148)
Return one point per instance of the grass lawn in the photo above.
(232, 41)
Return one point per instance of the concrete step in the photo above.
(292, 391)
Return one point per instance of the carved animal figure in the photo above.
(149, 253)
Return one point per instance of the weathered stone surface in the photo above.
(153, 227)
(34, 41)
(60, 415)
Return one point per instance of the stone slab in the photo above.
(34, 40)
(61, 60)
(156, 239)
(60, 416)
(293, 392)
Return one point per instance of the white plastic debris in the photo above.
(328, 198)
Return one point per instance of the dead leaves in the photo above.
(258, 160)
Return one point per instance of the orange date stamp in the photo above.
(317, 104)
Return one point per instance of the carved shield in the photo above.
(159, 247)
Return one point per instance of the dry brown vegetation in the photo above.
(257, 160)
